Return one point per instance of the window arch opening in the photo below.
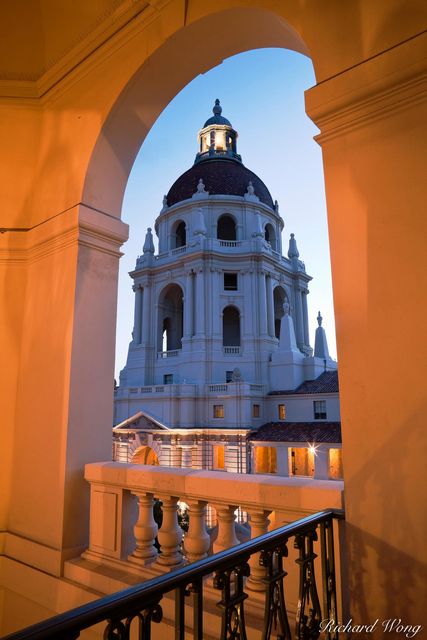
(171, 310)
(280, 298)
(226, 228)
(270, 236)
(231, 327)
(179, 235)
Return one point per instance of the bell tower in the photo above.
(209, 306)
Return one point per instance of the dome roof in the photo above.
(217, 119)
(220, 177)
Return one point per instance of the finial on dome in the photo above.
(250, 190)
(201, 186)
(293, 249)
(319, 319)
(217, 109)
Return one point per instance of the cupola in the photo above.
(217, 139)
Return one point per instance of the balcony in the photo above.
(205, 582)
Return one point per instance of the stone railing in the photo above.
(123, 531)
(174, 353)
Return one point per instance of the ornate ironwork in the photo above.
(307, 623)
(119, 630)
(275, 614)
(231, 583)
(141, 604)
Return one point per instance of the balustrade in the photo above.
(255, 569)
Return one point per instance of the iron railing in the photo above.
(141, 605)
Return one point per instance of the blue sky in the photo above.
(262, 94)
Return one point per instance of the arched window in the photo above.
(280, 298)
(226, 228)
(170, 318)
(270, 236)
(231, 327)
(179, 235)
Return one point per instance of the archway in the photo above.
(231, 327)
(226, 228)
(145, 455)
(179, 235)
(170, 318)
(270, 236)
(279, 298)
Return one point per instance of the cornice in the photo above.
(377, 88)
(114, 28)
(77, 226)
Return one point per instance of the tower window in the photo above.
(168, 378)
(226, 228)
(230, 281)
(229, 376)
(282, 411)
(231, 327)
(319, 407)
(256, 410)
(218, 411)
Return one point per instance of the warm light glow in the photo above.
(313, 449)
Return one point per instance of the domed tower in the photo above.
(209, 305)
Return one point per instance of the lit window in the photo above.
(282, 411)
(229, 376)
(319, 407)
(168, 378)
(230, 281)
(218, 456)
(256, 410)
(218, 411)
(265, 459)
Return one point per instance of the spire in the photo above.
(287, 340)
(217, 138)
(320, 342)
(293, 249)
(148, 244)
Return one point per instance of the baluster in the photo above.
(328, 575)
(145, 530)
(230, 581)
(226, 537)
(275, 614)
(197, 540)
(259, 525)
(307, 624)
(170, 533)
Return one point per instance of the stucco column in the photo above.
(282, 461)
(146, 314)
(188, 306)
(216, 291)
(299, 333)
(187, 456)
(247, 301)
(200, 303)
(306, 330)
(136, 333)
(270, 307)
(321, 463)
(262, 304)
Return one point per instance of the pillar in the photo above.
(226, 537)
(270, 307)
(145, 530)
(137, 314)
(299, 333)
(170, 533)
(262, 304)
(321, 463)
(188, 306)
(306, 329)
(200, 303)
(146, 314)
(282, 461)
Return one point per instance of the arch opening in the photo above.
(231, 327)
(279, 298)
(179, 235)
(270, 236)
(170, 318)
(226, 228)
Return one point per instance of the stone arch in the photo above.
(226, 227)
(270, 236)
(178, 234)
(145, 455)
(145, 94)
(279, 298)
(170, 318)
(231, 326)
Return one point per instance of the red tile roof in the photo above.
(312, 432)
(327, 382)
